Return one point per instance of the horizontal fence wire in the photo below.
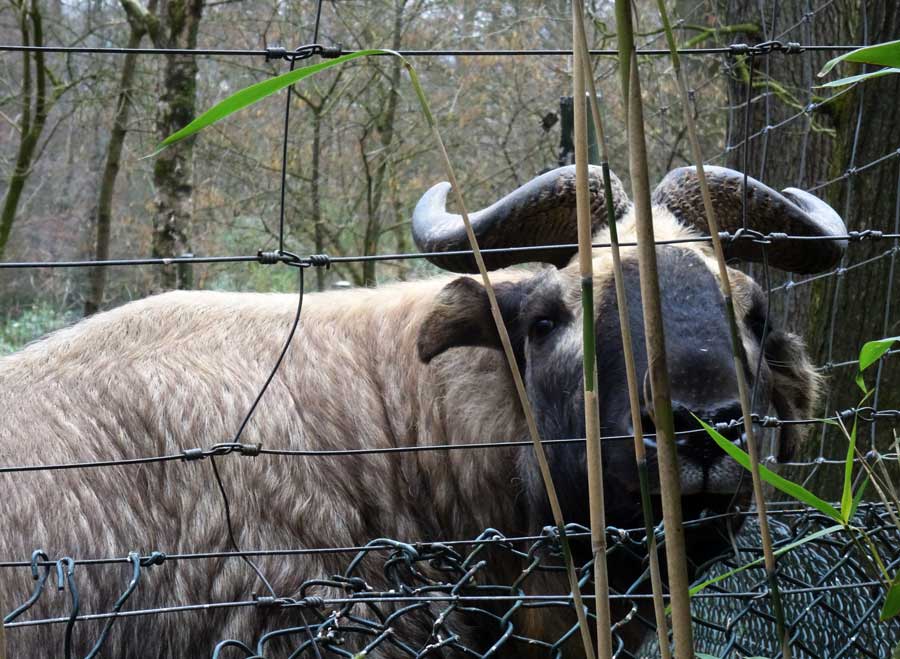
(279, 52)
(851, 238)
(637, 536)
(863, 414)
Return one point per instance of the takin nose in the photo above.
(692, 441)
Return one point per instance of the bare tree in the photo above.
(173, 168)
(36, 100)
(376, 162)
(140, 22)
(318, 105)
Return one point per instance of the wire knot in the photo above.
(155, 558)
(305, 52)
(724, 426)
(268, 258)
(867, 234)
(308, 50)
(270, 602)
(331, 52)
(745, 234)
(311, 602)
(789, 48)
(319, 261)
(189, 454)
(225, 448)
(275, 52)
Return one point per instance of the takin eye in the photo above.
(541, 328)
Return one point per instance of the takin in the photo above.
(405, 365)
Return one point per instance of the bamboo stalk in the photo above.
(737, 346)
(594, 456)
(634, 400)
(540, 455)
(667, 458)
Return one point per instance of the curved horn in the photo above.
(791, 211)
(541, 212)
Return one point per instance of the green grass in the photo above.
(19, 329)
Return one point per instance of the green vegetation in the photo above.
(883, 54)
(882, 481)
(20, 328)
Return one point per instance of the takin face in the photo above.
(542, 312)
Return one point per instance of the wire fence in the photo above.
(495, 594)
(399, 599)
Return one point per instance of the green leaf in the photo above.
(250, 95)
(788, 487)
(843, 82)
(891, 601)
(847, 491)
(759, 561)
(885, 54)
(870, 353)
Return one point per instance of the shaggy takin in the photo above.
(406, 365)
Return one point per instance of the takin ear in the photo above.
(795, 387)
(461, 316)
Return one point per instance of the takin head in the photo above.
(542, 312)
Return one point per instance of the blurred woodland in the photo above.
(359, 153)
(74, 130)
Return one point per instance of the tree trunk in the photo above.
(836, 314)
(30, 127)
(173, 168)
(385, 124)
(97, 276)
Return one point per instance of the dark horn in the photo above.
(541, 212)
(793, 212)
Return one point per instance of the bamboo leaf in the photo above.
(254, 93)
(885, 54)
(843, 82)
(870, 353)
(788, 487)
(847, 491)
(891, 601)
